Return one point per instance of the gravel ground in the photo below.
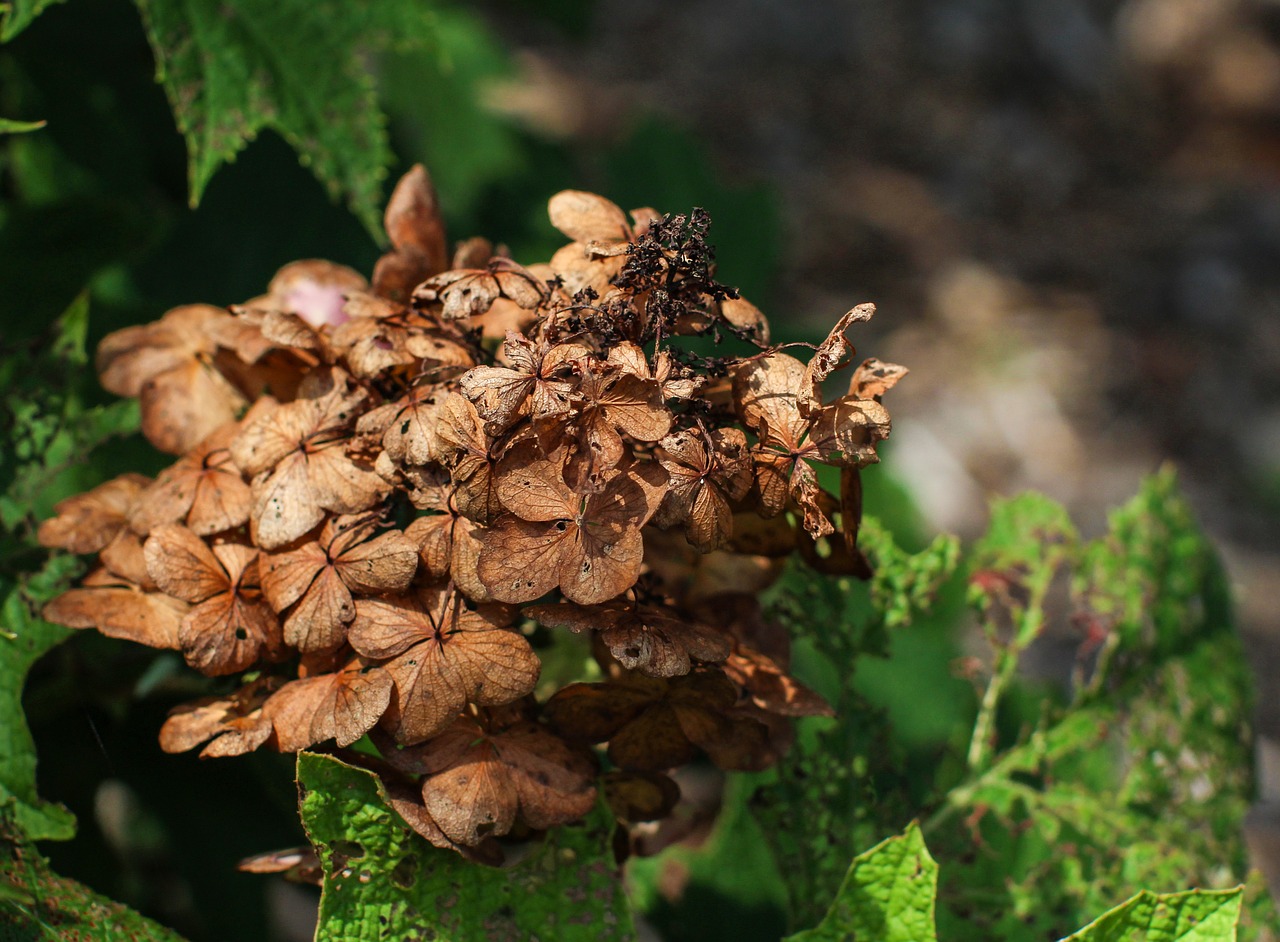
(1067, 211)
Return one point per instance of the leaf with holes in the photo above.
(383, 881)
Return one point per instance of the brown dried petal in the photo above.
(119, 610)
(586, 217)
(87, 522)
(829, 355)
(873, 378)
(341, 706)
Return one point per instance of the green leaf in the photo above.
(842, 780)
(9, 126)
(297, 67)
(1108, 792)
(16, 15)
(36, 903)
(383, 881)
(887, 896)
(1194, 916)
(24, 638)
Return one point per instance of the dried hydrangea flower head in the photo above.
(390, 493)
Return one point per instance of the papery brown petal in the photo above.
(807, 494)
(473, 800)
(386, 628)
(342, 706)
(554, 783)
(593, 570)
(766, 392)
(847, 431)
(413, 218)
(124, 556)
(183, 406)
(710, 518)
(874, 378)
(498, 393)
(128, 358)
(586, 217)
(183, 565)
(87, 522)
(236, 718)
(319, 621)
(434, 537)
(595, 712)
(406, 801)
(738, 743)
(771, 688)
(384, 564)
(464, 562)
(284, 505)
(744, 315)
(773, 481)
(148, 618)
(226, 634)
(286, 576)
(532, 487)
(829, 355)
(651, 742)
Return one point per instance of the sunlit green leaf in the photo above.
(887, 896)
(383, 881)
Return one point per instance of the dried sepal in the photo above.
(315, 582)
(341, 706)
(87, 522)
(654, 639)
(119, 608)
(231, 725)
(442, 655)
(296, 453)
(477, 781)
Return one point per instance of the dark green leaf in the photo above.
(297, 67)
(24, 638)
(16, 15)
(36, 903)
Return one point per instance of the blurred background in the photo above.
(1066, 211)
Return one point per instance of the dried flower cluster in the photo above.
(392, 494)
